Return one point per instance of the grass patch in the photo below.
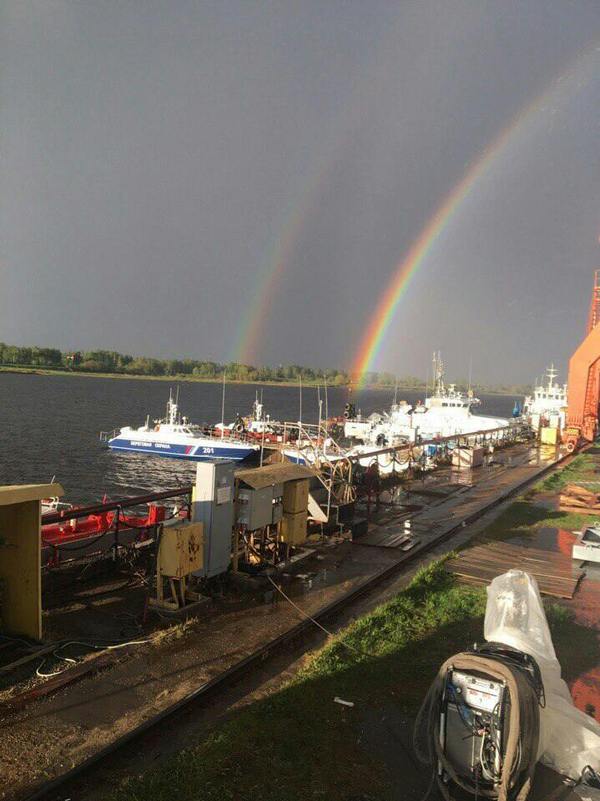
(522, 518)
(297, 744)
(581, 468)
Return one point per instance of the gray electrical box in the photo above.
(212, 505)
(255, 507)
(258, 507)
(277, 511)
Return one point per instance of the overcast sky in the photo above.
(158, 157)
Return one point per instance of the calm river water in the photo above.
(49, 426)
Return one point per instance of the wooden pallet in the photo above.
(590, 511)
(555, 574)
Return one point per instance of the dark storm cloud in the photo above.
(153, 153)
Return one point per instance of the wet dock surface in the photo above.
(48, 737)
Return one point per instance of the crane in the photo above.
(584, 379)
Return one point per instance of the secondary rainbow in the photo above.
(246, 346)
(373, 337)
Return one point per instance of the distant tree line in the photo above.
(109, 361)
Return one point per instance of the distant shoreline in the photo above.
(200, 380)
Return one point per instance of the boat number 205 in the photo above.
(208, 450)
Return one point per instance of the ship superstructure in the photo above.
(447, 411)
(548, 404)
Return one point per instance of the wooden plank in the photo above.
(22, 493)
(583, 510)
(566, 592)
(558, 561)
(495, 545)
(569, 571)
(493, 564)
(45, 649)
(559, 565)
(479, 561)
(490, 573)
(561, 587)
(92, 664)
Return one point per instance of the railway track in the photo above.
(57, 788)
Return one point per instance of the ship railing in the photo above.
(104, 436)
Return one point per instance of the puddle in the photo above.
(547, 538)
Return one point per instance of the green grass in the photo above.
(298, 744)
(525, 516)
(580, 469)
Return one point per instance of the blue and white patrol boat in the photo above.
(176, 437)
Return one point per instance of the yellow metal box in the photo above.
(549, 436)
(181, 550)
(293, 528)
(295, 496)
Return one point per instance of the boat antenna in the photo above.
(320, 405)
(262, 445)
(223, 407)
(300, 412)
(470, 372)
(396, 391)
(326, 403)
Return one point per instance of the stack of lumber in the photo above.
(575, 498)
(555, 574)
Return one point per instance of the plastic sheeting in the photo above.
(514, 615)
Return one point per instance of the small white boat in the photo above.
(255, 424)
(176, 437)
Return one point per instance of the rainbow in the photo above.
(379, 324)
(251, 332)
(246, 346)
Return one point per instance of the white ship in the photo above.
(446, 412)
(548, 405)
(176, 437)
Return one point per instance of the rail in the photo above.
(503, 432)
(111, 506)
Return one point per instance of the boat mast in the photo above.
(320, 403)
(223, 407)
(470, 374)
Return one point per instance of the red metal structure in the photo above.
(584, 379)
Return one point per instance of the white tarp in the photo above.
(514, 615)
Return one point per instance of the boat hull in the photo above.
(193, 453)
